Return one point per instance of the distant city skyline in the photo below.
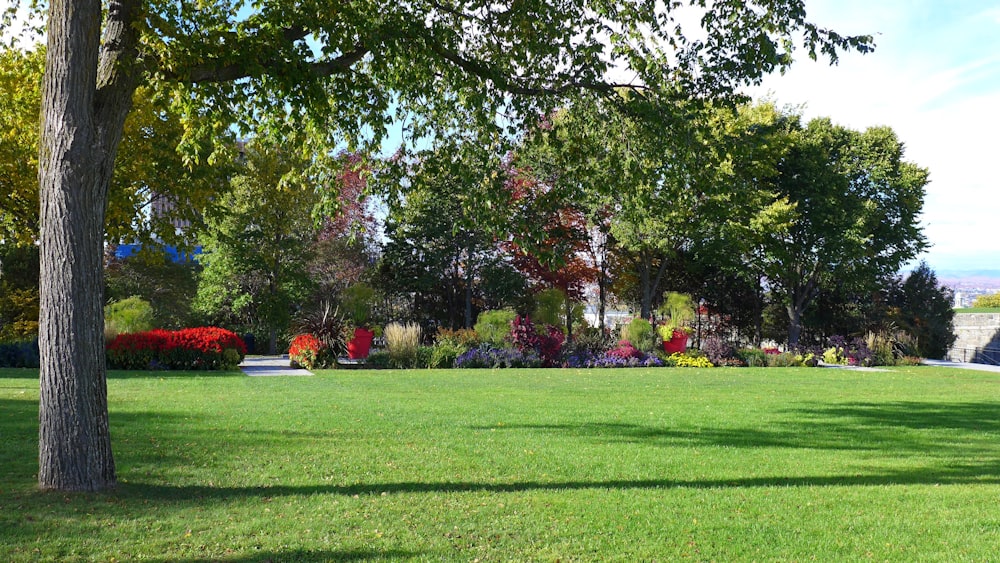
(935, 79)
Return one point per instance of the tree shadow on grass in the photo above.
(32, 373)
(307, 555)
(171, 374)
(901, 428)
(19, 373)
(952, 474)
(974, 417)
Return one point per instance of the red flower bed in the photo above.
(190, 348)
(304, 350)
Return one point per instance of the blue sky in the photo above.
(935, 79)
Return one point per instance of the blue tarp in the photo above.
(125, 250)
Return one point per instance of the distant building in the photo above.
(163, 206)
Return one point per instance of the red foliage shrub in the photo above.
(625, 350)
(526, 338)
(190, 348)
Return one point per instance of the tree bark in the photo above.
(87, 93)
(469, 278)
(794, 325)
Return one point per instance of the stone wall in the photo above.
(976, 332)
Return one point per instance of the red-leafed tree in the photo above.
(345, 248)
(556, 254)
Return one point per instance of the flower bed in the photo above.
(203, 348)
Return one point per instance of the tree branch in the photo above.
(485, 71)
(223, 71)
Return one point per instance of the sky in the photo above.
(935, 79)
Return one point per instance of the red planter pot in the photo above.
(361, 344)
(677, 344)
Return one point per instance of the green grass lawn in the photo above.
(969, 310)
(524, 465)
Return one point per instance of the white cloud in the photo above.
(935, 79)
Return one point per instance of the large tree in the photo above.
(440, 248)
(648, 176)
(851, 214)
(332, 70)
(258, 244)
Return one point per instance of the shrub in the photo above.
(546, 342)
(834, 356)
(19, 354)
(423, 357)
(784, 360)
(989, 301)
(718, 351)
(464, 337)
(201, 348)
(843, 352)
(493, 327)
(488, 356)
(135, 351)
(130, 315)
(379, 359)
(592, 341)
(304, 350)
(191, 348)
(690, 360)
(402, 341)
(641, 334)
(444, 353)
(882, 345)
(18, 313)
(753, 357)
(331, 329)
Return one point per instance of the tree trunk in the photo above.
(602, 301)
(569, 317)
(794, 325)
(645, 289)
(84, 105)
(468, 291)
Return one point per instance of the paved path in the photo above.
(262, 366)
(978, 367)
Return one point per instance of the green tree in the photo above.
(437, 248)
(18, 292)
(20, 103)
(641, 182)
(168, 286)
(256, 68)
(148, 168)
(257, 246)
(991, 301)
(924, 309)
(850, 205)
